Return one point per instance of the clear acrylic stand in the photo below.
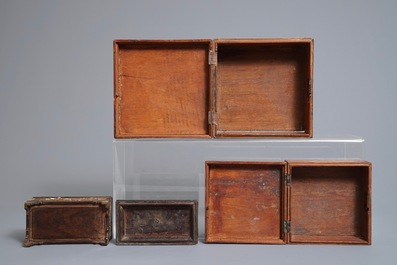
(174, 169)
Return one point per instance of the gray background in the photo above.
(56, 112)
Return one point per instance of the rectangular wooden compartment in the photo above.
(330, 202)
(213, 88)
(67, 220)
(143, 222)
(290, 202)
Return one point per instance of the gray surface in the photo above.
(56, 88)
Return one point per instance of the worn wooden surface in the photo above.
(156, 222)
(62, 220)
(243, 202)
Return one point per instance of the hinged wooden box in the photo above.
(66, 220)
(213, 88)
(156, 222)
(298, 202)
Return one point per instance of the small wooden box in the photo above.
(156, 222)
(298, 202)
(67, 220)
(213, 88)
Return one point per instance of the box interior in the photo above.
(263, 88)
(162, 89)
(243, 203)
(156, 223)
(328, 204)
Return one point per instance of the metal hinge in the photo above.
(287, 226)
(287, 179)
(212, 58)
(309, 88)
(213, 118)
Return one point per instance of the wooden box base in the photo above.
(67, 220)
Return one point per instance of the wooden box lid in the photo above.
(243, 202)
(161, 88)
(67, 220)
(291, 202)
(213, 88)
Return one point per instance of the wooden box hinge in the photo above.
(309, 88)
(212, 58)
(287, 179)
(213, 118)
(287, 226)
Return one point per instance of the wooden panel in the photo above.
(263, 87)
(156, 222)
(68, 220)
(161, 88)
(330, 203)
(244, 202)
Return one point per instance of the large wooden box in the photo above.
(67, 220)
(141, 222)
(213, 88)
(298, 202)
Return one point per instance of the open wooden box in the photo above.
(67, 220)
(298, 202)
(140, 222)
(213, 88)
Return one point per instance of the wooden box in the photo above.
(66, 220)
(298, 202)
(156, 222)
(213, 88)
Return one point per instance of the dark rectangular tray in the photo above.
(156, 222)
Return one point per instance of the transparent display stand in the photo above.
(174, 169)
